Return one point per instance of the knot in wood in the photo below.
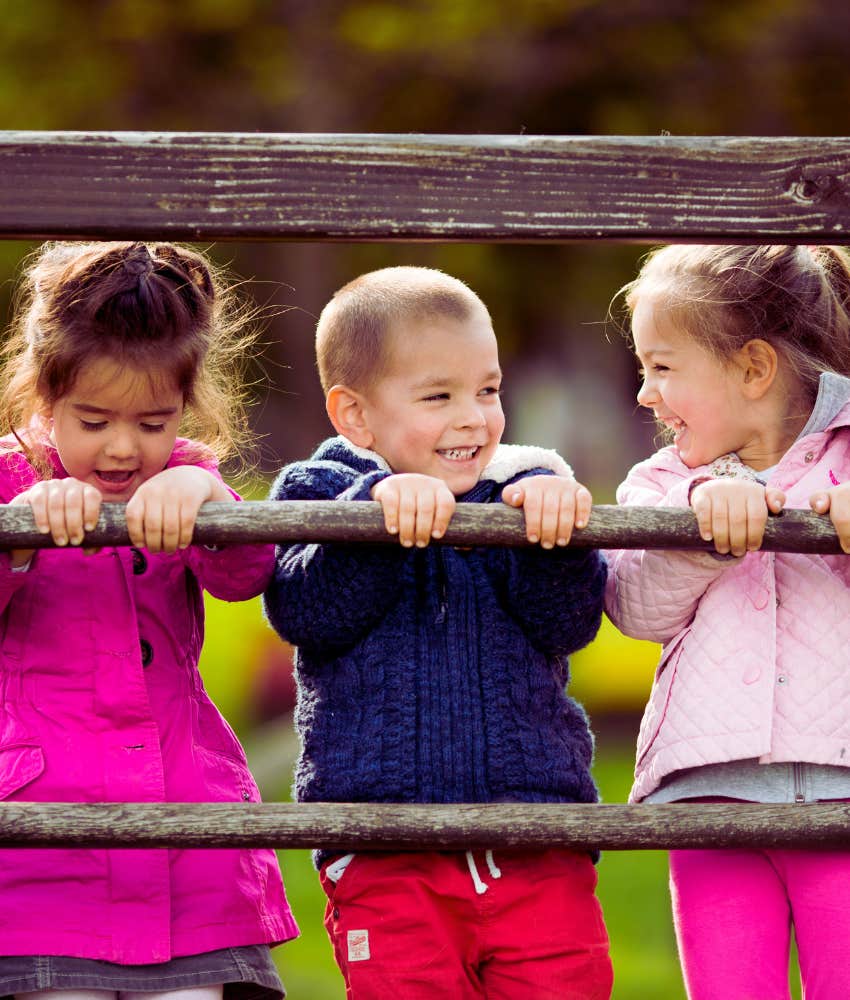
(816, 187)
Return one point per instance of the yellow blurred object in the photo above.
(614, 673)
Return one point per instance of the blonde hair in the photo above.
(158, 307)
(797, 298)
(353, 328)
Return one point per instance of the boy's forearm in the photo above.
(556, 595)
(331, 594)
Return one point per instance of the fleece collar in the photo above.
(508, 461)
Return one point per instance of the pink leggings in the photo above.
(733, 911)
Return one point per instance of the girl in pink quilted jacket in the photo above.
(745, 353)
(115, 348)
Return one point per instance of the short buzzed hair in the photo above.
(352, 330)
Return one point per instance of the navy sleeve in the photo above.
(326, 597)
(556, 595)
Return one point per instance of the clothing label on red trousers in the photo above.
(358, 946)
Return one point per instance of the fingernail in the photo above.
(90, 525)
(61, 540)
(76, 539)
(546, 545)
(706, 536)
(581, 524)
(436, 533)
(393, 529)
(562, 541)
(533, 538)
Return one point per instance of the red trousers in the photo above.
(523, 926)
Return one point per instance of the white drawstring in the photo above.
(481, 887)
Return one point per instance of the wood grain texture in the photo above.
(609, 527)
(363, 826)
(314, 186)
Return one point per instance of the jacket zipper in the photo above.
(799, 783)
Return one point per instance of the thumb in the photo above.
(513, 495)
(775, 500)
(819, 502)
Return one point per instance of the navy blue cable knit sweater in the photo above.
(436, 674)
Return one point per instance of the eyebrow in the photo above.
(103, 412)
(437, 380)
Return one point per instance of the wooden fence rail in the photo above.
(241, 186)
(472, 524)
(370, 826)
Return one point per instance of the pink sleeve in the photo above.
(232, 572)
(653, 594)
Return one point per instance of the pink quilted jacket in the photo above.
(756, 658)
(102, 702)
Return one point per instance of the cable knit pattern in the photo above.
(436, 674)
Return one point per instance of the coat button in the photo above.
(809, 456)
(147, 651)
(140, 564)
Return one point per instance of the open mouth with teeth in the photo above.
(114, 479)
(673, 425)
(459, 454)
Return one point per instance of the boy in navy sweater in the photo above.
(428, 673)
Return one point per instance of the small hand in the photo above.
(836, 501)
(63, 508)
(733, 513)
(416, 508)
(161, 513)
(553, 506)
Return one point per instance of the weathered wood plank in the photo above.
(355, 521)
(363, 826)
(200, 186)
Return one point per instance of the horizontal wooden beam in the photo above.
(364, 826)
(245, 186)
(609, 527)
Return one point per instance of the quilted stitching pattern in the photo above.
(757, 649)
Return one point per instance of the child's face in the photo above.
(689, 390)
(116, 427)
(436, 410)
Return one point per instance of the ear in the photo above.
(347, 413)
(758, 363)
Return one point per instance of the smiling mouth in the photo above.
(674, 425)
(459, 454)
(117, 477)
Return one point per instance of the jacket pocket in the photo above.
(659, 699)
(19, 765)
(223, 779)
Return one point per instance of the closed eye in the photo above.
(153, 428)
(93, 425)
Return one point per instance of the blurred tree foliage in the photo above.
(763, 67)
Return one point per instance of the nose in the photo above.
(647, 394)
(471, 415)
(122, 443)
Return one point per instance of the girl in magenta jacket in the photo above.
(744, 354)
(114, 348)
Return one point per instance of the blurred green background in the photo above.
(637, 67)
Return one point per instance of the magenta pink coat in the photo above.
(102, 702)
